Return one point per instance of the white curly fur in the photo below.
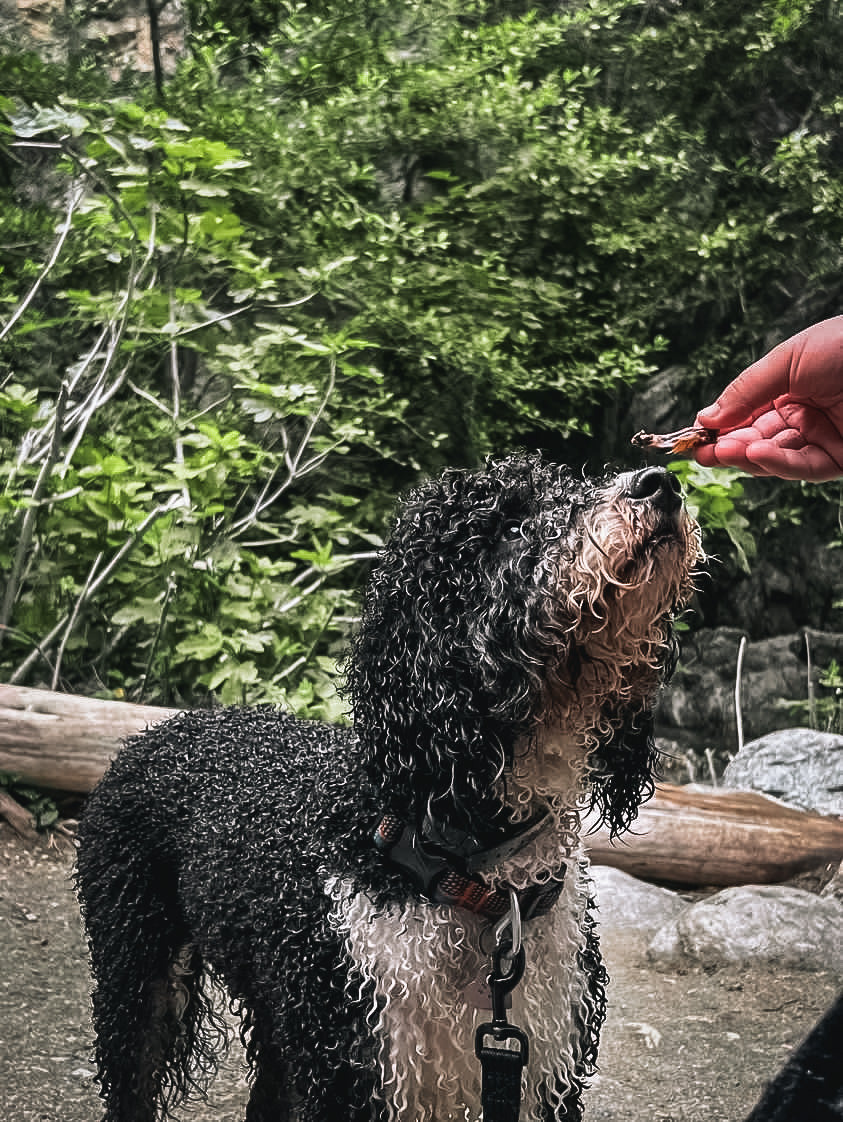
(422, 959)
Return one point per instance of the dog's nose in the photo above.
(657, 486)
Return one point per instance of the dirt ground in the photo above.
(678, 1047)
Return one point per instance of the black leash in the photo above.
(502, 1048)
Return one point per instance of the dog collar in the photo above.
(448, 876)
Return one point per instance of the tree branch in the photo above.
(30, 516)
(75, 197)
(40, 651)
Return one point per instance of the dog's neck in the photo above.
(552, 766)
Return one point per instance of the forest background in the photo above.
(247, 298)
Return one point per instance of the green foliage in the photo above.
(713, 497)
(354, 242)
(172, 543)
(823, 711)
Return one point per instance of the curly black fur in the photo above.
(450, 661)
(460, 636)
(215, 834)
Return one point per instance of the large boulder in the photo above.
(626, 903)
(801, 766)
(772, 924)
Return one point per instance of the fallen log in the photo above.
(62, 741)
(682, 835)
(685, 835)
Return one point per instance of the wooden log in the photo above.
(17, 816)
(682, 835)
(62, 741)
(685, 835)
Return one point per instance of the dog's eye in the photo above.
(512, 530)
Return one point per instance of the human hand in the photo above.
(783, 415)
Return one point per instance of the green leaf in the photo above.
(206, 644)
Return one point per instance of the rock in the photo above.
(117, 32)
(834, 888)
(661, 405)
(801, 766)
(698, 707)
(771, 924)
(626, 902)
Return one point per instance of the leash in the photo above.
(503, 1048)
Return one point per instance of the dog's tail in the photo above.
(157, 1034)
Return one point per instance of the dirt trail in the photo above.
(691, 1047)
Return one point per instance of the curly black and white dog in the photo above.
(514, 636)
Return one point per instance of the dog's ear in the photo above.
(439, 683)
(626, 765)
(625, 771)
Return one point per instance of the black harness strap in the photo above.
(447, 877)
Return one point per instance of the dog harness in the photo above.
(443, 865)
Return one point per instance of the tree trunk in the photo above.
(682, 835)
(17, 816)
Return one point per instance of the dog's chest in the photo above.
(424, 964)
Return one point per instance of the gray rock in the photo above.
(661, 404)
(761, 924)
(625, 902)
(698, 707)
(800, 766)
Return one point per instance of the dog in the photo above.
(351, 887)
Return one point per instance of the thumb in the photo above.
(752, 392)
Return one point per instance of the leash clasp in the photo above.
(511, 920)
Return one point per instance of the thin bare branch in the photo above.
(147, 396)
(75, 197)
(47, 642)
(175, 382)
(162, 619)
(30, 516)
(293, 461)
(287, 671)
(74, 616)
(337, 564)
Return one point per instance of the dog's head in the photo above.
(514, 608)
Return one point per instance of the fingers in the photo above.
(792, 441)
(809, 463)
(728, 453)
(808, 365)
(752, 392)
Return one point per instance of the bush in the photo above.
(357, 242)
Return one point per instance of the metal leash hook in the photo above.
(503, 1048)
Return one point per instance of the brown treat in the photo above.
(681, 441)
